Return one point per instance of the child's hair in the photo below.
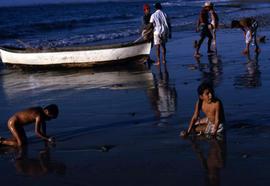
(234, 24)
(158, 6)
(202, 87)
(146, 7)
(52, 110)
(205, 86)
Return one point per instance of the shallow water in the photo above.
(46, 26)
(120, 126)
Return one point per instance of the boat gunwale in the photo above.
(72, 49)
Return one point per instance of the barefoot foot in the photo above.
(157, 63)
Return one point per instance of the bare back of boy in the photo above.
(19, 120)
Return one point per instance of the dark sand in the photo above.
(121, 127)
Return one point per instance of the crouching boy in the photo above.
(35, 115)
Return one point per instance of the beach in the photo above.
(120, 126)
(127, 133)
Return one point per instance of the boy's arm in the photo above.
(198, 25)
(40, 129)
(217, 119)
(194, 118)
(243, 29)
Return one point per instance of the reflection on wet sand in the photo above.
(38, 166)
(24, 83)
(252, 76)
(213, 71)
(214, 161)
(163, 95)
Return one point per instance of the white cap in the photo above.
(207, 3)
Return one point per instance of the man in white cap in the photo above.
(162, 31)
(202, 26)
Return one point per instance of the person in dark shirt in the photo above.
(147, 28)
(203, 27)
(147, 14)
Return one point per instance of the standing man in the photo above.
(162, 31)
(147, 29)
(202, 26)
(147, 15)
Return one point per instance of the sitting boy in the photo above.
(212, 123)
(35, 115)
(249, 27)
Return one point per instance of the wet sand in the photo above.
(121, 127)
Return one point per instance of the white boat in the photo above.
(77, 56)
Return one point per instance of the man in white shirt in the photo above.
(162, 31)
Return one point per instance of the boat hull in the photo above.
(79, 57)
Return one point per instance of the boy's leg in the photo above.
(214, 42)
(157, 41)
(10, 142)
(246, 50)
(1, 140)
(202, 121)
(18, 134)
(163, 45)
(202, 37)
(197, 50)
(210, 38)
(248, 39)
(257, 49)
(158, 54)
(209, 45)
(200, 129)
(200, 125)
